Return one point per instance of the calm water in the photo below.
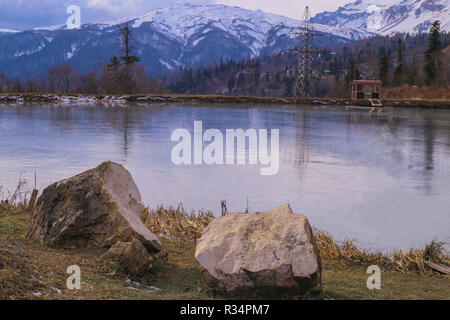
(383, 179)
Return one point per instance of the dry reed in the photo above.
(417, 92)
(16, 202)
(349, 253)
(177, 223)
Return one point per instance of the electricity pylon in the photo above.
(305, 74)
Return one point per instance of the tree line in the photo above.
(416, 68)
(400, 60)
(122, 75)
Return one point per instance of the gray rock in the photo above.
(97, 208)
(273, 251)
(132, 256)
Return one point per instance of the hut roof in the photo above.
(368, 82)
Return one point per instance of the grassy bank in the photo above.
(177, 223)
(177, 98)
(31, 270)
(422, 92)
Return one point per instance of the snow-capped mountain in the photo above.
(180, 35)
(191, 34)
(386, 17)
(186, 20)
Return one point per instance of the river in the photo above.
(381, 178)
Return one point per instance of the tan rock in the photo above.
(272, 250)
(131, 255)
(94, 209)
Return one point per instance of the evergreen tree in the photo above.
(398, 73)
(119, 79)
(114, 62)
(126, 39)
(413, 74)
(352, 71)
(432, 58)
(231, 83)
(384, 70)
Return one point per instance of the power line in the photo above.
(393, 59)
(305, 57)
(306, 52)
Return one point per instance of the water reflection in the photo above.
(382, 178)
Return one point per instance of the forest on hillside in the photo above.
(401, 61)
(407, 64)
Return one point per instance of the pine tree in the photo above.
(126, 39)
(114, 62)
(119, 79)
(432, 63)
(352, 71)
(398, 73)
(412, 72)
(384, 70)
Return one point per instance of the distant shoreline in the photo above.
(180, 98)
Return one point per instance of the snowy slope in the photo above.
(387, 17)
(181, 35)
(185, 21)
(8, 31)
(191, 34)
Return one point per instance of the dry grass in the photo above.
(6, 207)
(15, 202)
(177, 223)
(349, 253)
(423, 92)
(416, 258)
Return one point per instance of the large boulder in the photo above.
(130, 255)
(94, 209)
(271, 251)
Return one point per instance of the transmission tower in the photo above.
(306, 52)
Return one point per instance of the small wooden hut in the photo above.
(366, 89)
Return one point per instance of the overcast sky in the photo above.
(27, 14)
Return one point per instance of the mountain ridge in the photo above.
(191, 34)
(167, 38)
(387, 17)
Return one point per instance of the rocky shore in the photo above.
(174, 98)
(96, 220)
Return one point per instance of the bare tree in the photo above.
(16, 86)
(108, 79)
(32, 85)
(89, 83)
(62, 79)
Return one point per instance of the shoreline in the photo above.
(178, 224)
(183, 98)
(30, 267)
